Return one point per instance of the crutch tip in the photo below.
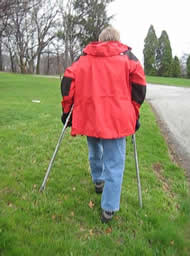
(41, 189)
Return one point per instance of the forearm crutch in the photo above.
(137, 170)
(56, 150)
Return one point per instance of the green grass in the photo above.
(168, 81)
(59, 221)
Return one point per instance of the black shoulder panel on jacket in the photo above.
(138, 93)
(65, 85)
(130, 55)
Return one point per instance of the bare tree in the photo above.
(5, 7)
(1, 57)
(31, 32)
(54, 30)
(45, 19)
(68, 32)
(8, 9)
(55, 58)
(11, 51)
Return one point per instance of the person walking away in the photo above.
(107, 87)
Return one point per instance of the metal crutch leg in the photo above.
(137, 170)
(55, 152)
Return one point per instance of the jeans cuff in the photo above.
(115, 210)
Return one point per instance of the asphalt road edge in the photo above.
(176, 151)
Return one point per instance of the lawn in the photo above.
(65, 218)
(183, 82)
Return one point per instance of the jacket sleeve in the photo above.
(137, 81)
(67, 90)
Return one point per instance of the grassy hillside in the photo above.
(65, 219)
(168, 81)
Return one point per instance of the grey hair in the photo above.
(109, 34)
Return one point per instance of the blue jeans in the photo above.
(107, 163)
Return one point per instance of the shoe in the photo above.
(99, 187)
(106, 216)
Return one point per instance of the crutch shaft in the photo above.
(137, 170)
(55, 152)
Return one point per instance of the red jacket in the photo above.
(107, 86)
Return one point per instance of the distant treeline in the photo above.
(158, 59)
(45, 36)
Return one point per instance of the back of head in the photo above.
(109, 34)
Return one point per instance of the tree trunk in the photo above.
(1, 56)
(38, 64)
(48, 63)
(22, 65)
(66, 58)
(58, 64)
(12, 62)
(31, 66)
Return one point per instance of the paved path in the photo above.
(172, 105)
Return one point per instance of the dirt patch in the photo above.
(157, 167)
(176, 151)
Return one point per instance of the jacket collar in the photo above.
(108, 48)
